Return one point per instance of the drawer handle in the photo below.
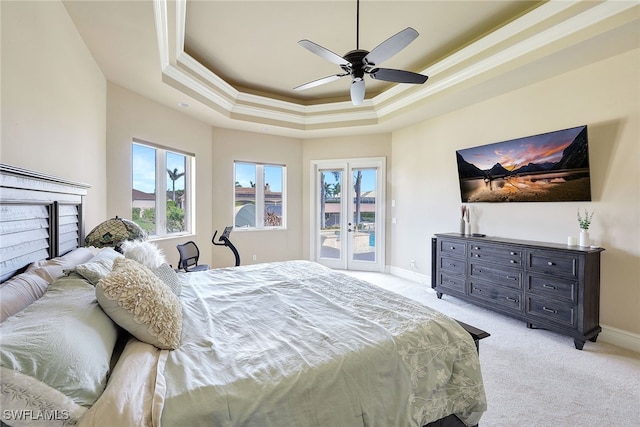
(476, 255)
(550, 310)
(451, 265)
(550, 263)
(512, 278)
(549, 286)
(452, 248)
(513, 253)
(476, 248)
(511, 299)
(513, 261)
(477, 289)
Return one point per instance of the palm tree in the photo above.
(358, 189)
(174, 176)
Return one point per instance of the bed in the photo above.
(278, 344)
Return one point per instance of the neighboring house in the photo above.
(145, 201)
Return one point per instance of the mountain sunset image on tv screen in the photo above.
(550, 167)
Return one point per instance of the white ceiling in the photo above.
(235, 63)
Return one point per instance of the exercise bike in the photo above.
(224, 238)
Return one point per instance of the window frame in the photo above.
(162, 180)
(260, 196)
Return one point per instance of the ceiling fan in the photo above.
(358, 62)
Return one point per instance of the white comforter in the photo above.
(297, 344)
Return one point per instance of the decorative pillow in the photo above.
(98, 266)
(55, 354)
(169, 277)
(139, 302)
(145, 252)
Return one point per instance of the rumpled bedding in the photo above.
(297, 344)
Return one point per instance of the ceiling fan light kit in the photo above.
(358, 62)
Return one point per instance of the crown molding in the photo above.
(548, 29)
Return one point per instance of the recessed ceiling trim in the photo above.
(498, 52)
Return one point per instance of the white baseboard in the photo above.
(609, 334)
(620, 338)
(410, 275)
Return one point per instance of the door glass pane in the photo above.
(330, 193)
(245, 195)
(272, 196)
(144, 187)
(364, 214)
(176, 192)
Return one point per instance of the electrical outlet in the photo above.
(255, 257)
(413, 263)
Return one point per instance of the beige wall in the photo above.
(53, 99)
(606, 97)
(132, 116)
(266, 245)
(346, 147)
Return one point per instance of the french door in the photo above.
(347, 213)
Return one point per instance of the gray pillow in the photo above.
(169, 277)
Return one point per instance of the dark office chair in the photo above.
(189, 254)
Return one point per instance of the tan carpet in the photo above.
(536, 377)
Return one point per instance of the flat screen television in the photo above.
(550, 167)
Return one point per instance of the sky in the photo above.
(144, 168)
(368, 182)
(520, 152)
(246, 174)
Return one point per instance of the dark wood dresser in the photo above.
(548, 285)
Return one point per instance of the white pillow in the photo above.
(146, 253)
(137, 300)
(98, 266)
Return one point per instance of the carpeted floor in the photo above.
(535, 377)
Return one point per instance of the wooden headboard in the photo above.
(41, 217)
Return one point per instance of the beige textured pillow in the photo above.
(137, 300)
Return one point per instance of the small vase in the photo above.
(584, 238)
(462, 225)
(467, 230)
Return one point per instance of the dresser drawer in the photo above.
(510, 256)
(553, 287)
(495, 274)
(552, 263)
(555, 311)
(452, 266)
(456, 248)
(503, 296)
(451, 283)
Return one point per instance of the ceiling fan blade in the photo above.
(319, 82)
(390, 46)
(323, 52)
(398, 76)
(357, 91)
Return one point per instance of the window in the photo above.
(161, 213)
(259, 196)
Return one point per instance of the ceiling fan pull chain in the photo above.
(358, 25)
